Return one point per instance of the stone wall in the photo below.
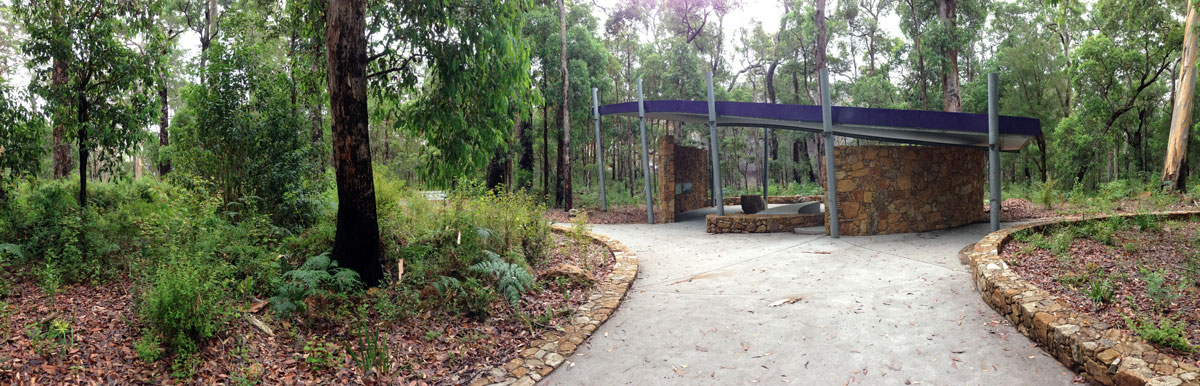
(904, 189)
(761, 223)
(1102, 353)
(683, 179)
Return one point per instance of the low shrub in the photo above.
(1166, 332)
(51, 337)
(183, 305)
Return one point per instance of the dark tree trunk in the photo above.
(495, 176)
(525, 161)
(771, 81)
(545, 144)
(164, 140)
(62, 151)
(565, 151)
(356, 243)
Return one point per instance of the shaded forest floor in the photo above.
(424, 346)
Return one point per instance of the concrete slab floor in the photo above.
(878, 310)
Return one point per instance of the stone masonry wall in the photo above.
(678, 165)
(760, 223)
(1103, 354)
(904, 189)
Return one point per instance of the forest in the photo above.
(199, 159)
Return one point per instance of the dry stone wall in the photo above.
(1101, 353)
(683, 179)
(761, 223)
(904, 189)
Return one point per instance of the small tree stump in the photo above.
(752, 204)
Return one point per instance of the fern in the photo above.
(511, 279)
(318, 273)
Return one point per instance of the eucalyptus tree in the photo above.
(455, 90)
(1135, 44)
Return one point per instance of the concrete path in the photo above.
(879, 310)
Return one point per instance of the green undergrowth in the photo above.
(196, 262)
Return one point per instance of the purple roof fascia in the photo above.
(933, 120)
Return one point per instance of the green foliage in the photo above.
(240, 134)
(1100, 292)
(21, 139)
(510, 279)
(1157, 289)
(183, 305)
(319, 275)
(1148, 222)
(486, 58)
(1060, 240)
(148, 347)
(102, 103)
(467, 297)
(51, 337)
(371, 352)
(6, 312)
(320, 355)
(1166, 332)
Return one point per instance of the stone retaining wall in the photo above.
(686, 167)
(778, 199)
(1102, 354)
(550, 350)
(905, 189)
(761, 223)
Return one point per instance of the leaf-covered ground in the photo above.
(1152, 273)
(430, 347)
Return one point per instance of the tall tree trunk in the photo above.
(565, 171)
(82, 117)
(525, 161)
(62, 151)
(1181, 114)
(951, 93)
(912, 7)
(771, 81)
(356, 242)
(545, 144)
(822, 35)
(164, 140)
(210, 30)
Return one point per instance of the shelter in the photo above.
(990, 131)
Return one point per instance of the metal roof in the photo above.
(907, 126)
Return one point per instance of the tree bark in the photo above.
(62, 151)
(951, 92)
(912, 7)
(565, 171)
(1181, 114)
(356, 242)
(545, 143)
(822, 35)
(164, 120)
